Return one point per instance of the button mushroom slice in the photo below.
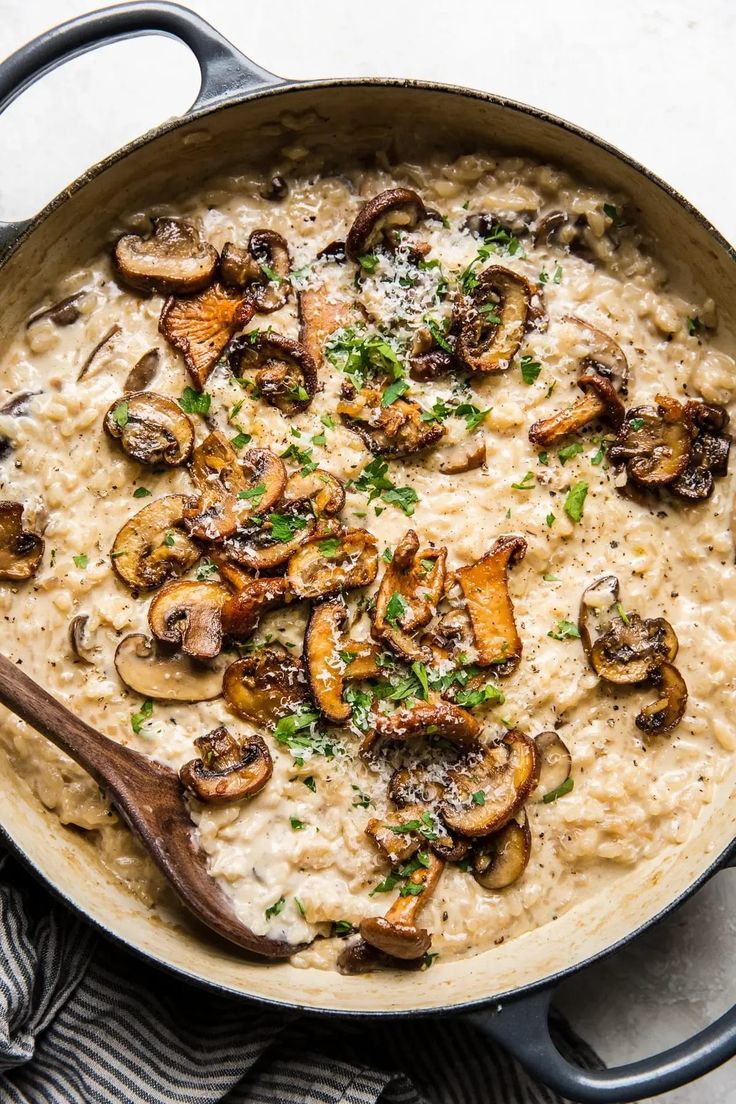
(330, 566)
(79, 641)
(396, 933)
(399, 835)
(598, 599)
(501, 859)
(188, 613)
(710, 451)
(152, 546)
(151, 428)
(655, 443)
(63, 313)
(419, 786)
(399, 845)
(21, 551)
(265, 686)
(665, 713)
(263, 268)
(633, 648)
(201, 327)
(435, 717)
(321, 313)
(485, 587)
(257, 548)
(286, 374)
(599, 401)
(491, 319)
(381, 217)
(229, 491)
(15, 407)
(243, 611)
(227, 769)
(395, 430)
(327, 670)
(554, 763)
(411, 588)
(153, 671)
(175, 258)
(323, 491)
(143, 372)
(487, 792)
(461, 456)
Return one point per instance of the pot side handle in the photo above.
(224, 70)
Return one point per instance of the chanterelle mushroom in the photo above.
(286, 374)
(396, 933)
(174, 259)
(485, 587)
(151, 428)
(398, 429)
(266, 685)
(410, 590)
(152, 672)
(152, 546)
(200, 327)
(21, 552)
(489, 791)
(243, 610)
(321, 314)
(381, 218)
(491, 319)
(188, 613)
(227, 770)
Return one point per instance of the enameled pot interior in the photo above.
(405, 121)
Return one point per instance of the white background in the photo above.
(656, 79)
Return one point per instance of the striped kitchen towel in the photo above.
(84, 1022)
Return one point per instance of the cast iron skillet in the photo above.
(521, 1025)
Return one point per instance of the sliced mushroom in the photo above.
(263, 269)
(462, 456)
(256, 547)
(228, 769)
(555, 763)
(655, 443)
(265, 686)
(16, 407)
(78, 638)
(487, 793)
(151, 546)
(143, 372)
(502, 858)
(230, 491)
(155, 672)
(486, 590)
(665, 713)
(326, 670)
(151, 428)
(63, 313)
(491, 319)
(323, 491)
(97, 348)
(410, 590)
(395, 430)
(320, 315)
(710, 452)
(435, 717)
(201, 327)
(381, 217)
(21, 552)
(286, 374)
(188, 613)
(633, 648)
(361, 657)
(598, 598)
(242, 612)
(174, 259)
(333, 565)
(399, 835)
(416, 787)
(432, 364)
(396, 933)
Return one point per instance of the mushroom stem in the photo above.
(396, 933)
(564, 422)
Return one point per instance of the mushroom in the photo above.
(286, 374)
(201, 327)
(491, 319)
(489, 791)
(400, 835)
(432, 364)
(164, 675)
(151, 546)
(21, 551)
(320, 315)
(242, 612)
(710, 451)
(263, 269)
(598, 598)
(396, 430)
(381, 217)
(502, 858)
(63, 313)
(151, 428)
(257, 548)
(555, 763)
(143, 372)
(434, 717)
(174, 259)
(78, 638)
(655, 443)
(462, 456)
(96, 349)
(633, 648)
(266, 685)
(16, 407)
(228, 769)
(229, 491)
(396, 933)
(603, 374)
(335, 564)
(485, 587)
(331, 659)
(410, 590)
(666, 712)
(323, 491)
(187, 613)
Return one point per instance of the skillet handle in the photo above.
(224, 70)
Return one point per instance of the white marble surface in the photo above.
(655, 78)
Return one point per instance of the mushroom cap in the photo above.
(227, 770)
(395, 938)
(200, 327)
(286, 374)
(151, 546)
(655, 443)
(325, 567)
(632, 649)
(243, 611)
(665, 713)
(21, 552)
(491, 320)
(143, 372)
(151, 428)
(435, 717)
(266, 685)
(174, 259)
(256, 548)
(504, 775)
(554, 763)
(501, 859)
(323, 491)
(153, 672)
(393, 209)
(188, 613)
(325, 669)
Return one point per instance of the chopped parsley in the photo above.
(275, 908)
(472, 414)
(387, 555)
(389, 882)
(195, 402)
(526, 483)
(575, 501)
(205, 571)
(343, 927)
(240, 440)
(298, 732)
(81, 560)
(566, 630)
(613, 213)
(425, 826)
(599, 456)
(550, 519)
(253, 494)
(297, 902)
(396, 607)
(361, 703)
(411, 889)
(284, 526)
(374, 482)
(328, 421)
(472, 698)
(141, 492)
(329, 547)
(361, 355)
(693, 325)
(310, 783)
(362, 800)
(137, 720)
(394, 391)
(170, 539)
(368, 262)
(269, 273)
(300, 456)
(420, 672)
(567, 453)
(120, 413)
(479, 797)
(530, 369)
(565, 788)
(438, 333)
(636, 423)
(297, 824)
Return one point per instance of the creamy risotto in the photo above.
(316, 471)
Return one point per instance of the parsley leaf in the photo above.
(567, 453)
(575, 501)
(437, 333)
(566, 630)
(205, 571)
(275, 908)
(254, 494)
(81, 560)
(120, 413)
(195, 402)
(478, 798)
(329, 547)
(613, 213)
(395, 608)
(693, 325)
(283, 526)
(565, 788)
(240, 440)
(368, 262)
(530, 369)
(137, 719)
(141, 492)
(296, 824)
(526, 484)
(394, 391)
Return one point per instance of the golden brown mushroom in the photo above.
(665, 713)
(21, 552)
(154, 672)
(491, 319)
(286, 374)
(227, 770)
(488, 792)
(320, 315)
(266, 685)
(324, 492)
(632, 649)
(434, 717)
(242, 612)
(152, 546)
(396, 430)
(263, 269)
(396, 933)
(485, 587)
(174, 259)
(410, 590)
(201, 327)
(231, 491)
(331, 565)
(189, 614)
(600, 401)
(273, 542)
(331, 659)
(151, 428)
(380, 218)
(655, 443)
(500, 860)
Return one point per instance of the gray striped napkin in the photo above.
(84, 1022)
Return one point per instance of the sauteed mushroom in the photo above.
(16, 407)
(396, 933)
(21, 551)
(599, 598)
(328, 566)
(263, 268)
(227, 770)
(465, 455)
(491, 320)
(325, 668)
(265, 686)
(242, 612)
(487, 793)
(201, 327)
(655, 443)
(286, 374)
(380, 219)
(188, 613)
(500, 860)
(395, 430)
(78, 639)
(229, 491)
(320, 315)
(485, 587)
(174, 259)
(399, 835)
(323, 491)
(410, 590)
(555, 763)
(143, 372)
(152, 672)
(63, 313)
(632, 649)
(665, 713)
(151, 428)
(434, 717)
(710, 451)
(151, 546)
(268, 546)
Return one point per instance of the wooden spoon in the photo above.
(148, 796)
